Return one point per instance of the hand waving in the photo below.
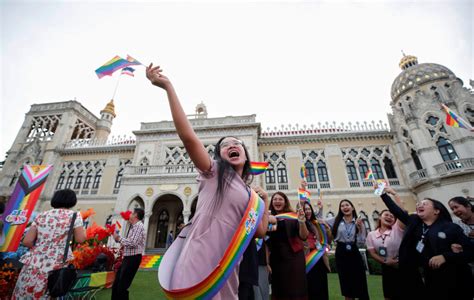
(156, 78)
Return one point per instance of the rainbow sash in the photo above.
(21, 205)
(210, 286)
(314, 255)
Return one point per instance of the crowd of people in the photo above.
(241, 241)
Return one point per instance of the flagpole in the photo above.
(116, 85)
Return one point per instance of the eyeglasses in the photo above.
(231, 143)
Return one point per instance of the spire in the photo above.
(109, 108)
(408, 61)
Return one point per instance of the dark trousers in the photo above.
(124, 276)
(246, 291)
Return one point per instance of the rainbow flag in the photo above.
(314, 255)
(21, 205)
(369, 175)
(303, 172)
(257, 168)
(453, 120)
(304, 195)
(115, 64)
(102, 279)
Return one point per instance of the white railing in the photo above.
(110, 142)
(161, 169)
(452, 166)
(325, 128)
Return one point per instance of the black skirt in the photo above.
(391, 282)
(351, 271)
(318, 281)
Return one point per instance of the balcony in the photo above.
(454, 166)
(161, 169)
(418, 176)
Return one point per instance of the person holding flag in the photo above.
(202, 262)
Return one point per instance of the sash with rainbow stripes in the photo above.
(314, 255)
(210, 286)
(21, 205)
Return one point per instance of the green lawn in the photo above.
(145, 286)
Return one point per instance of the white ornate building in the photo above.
(418, 154)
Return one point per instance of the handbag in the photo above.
(60, 281)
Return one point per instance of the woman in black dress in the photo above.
(427, 246)
(349, 233)
(318, 276)
(287, 259)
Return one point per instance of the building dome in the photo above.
(109, 108)
(415, 74)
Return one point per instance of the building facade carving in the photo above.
(417, 153)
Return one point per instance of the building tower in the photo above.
(437, 159)
(104, 125)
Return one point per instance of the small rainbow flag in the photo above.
(115, 64)
(453, 120)
(304, 195)
(257, 168)
(369, 175)
(303, 172)
(21, 205)
(287, 216)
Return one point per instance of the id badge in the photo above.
(383, 251)
(348, 247)
(420, 246)
(318, 245)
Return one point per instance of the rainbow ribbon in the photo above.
(314, 255)
(257, 168)
(303, 173)
(21, 205)
(211, 285)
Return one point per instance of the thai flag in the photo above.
(128, 71)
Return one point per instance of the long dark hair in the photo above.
(462, 201)
(340, 215)
(309, 223)
(225, 171)
(286, 208)
(444, 214)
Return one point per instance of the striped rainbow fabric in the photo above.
(115, 64)
(314, 255)
(257, 168)
(211, 285)
(21, 205)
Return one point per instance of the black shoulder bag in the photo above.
(60, 281)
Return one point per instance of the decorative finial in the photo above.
(403, 53)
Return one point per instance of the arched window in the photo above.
(376, 168)
(281, 173)
(446, 149)
(88, 180)
(69, 180)
(363, 168)
(416, 160)
(118, 178)
(432, 120)
(270, 175)
(330, 214)
(322, 172)
(351, 170)
(60, 183)
(97, 178)
(365, 220)
(311, 177)
(389, 168)
(375, 217)
(78, 182)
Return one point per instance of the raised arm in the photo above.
(395, 209)
(398, 201)
(193, 145)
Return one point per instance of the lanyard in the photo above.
(425, 230)
(383, 236)
(347, 231)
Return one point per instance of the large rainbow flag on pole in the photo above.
(21, 205)
(453, 120)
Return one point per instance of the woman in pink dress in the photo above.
(223, 198)
(47, 239)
